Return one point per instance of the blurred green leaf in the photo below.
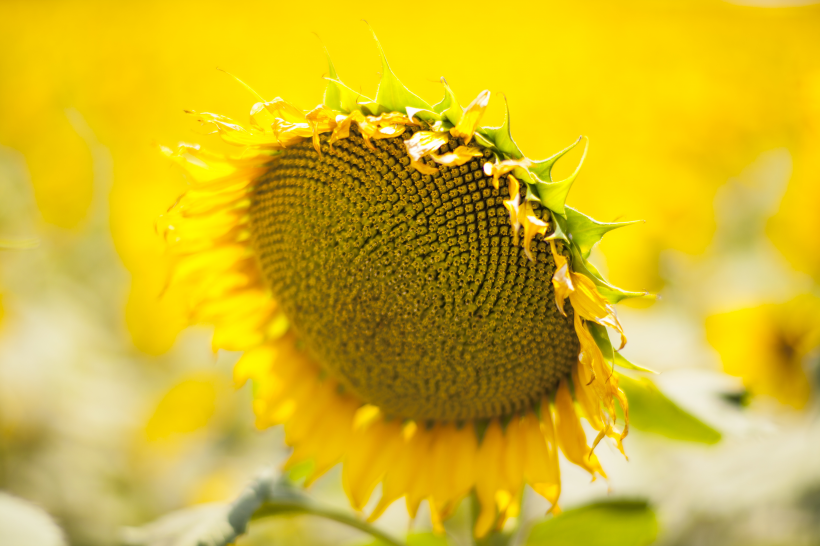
(426, 539)
(615, 523)
(651, 411)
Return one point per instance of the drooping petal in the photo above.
(571, 437)
(512, 205)
(459, 156)
(500, 168)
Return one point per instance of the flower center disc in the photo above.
(408, 288)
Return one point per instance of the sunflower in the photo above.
(770, 347)
(411, 294)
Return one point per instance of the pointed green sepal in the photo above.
(558, 227)
(424, 115)
(613, 294)
(501, 136)
(586, 232)
(449, 107)
(341, 98)
(543, 168)
(392, 95)
(651, 411)
(554, 194)
(338, 96)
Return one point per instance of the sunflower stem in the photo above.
(280, 507)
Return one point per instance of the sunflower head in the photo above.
(412, 294)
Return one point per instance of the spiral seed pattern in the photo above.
(408, 288)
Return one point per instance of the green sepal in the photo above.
(651, 411)
(586, 232)
(449, 107)
(558, 227)
(484, 141)
(621, 361)
(543, 169)
(501, 136)
(424, 115)
(338, 96)
(605, 523)
(554, 194)
(348, 98)
(613, 294)
(392, 95)
(612, 356)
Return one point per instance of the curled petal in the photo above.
(459, 156)
(500, 168)
(533, 226)
(424, 143)
(561, 279)
(512, 205)
(591, 305)
(280, 108)
(422, 168)
(287, 133)
(472, 115)
(343, 123)
(320, 120)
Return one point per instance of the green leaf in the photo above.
(554, 194)
(501, 136)
(620, 360)
(651, 411)
(612, 523)
(586, 232)
(426, 539)
(392, 95)
(449, 107)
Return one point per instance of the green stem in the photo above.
(278, 507)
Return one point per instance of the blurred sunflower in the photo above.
(768, 346)
(398, 277)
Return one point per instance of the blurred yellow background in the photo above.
(677, 98)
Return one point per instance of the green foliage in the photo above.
(614, 523)
(651, 411)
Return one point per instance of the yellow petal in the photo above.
(320, 120)
(422, 168)
(591, 305)
(571, 437)
(512, 205)
(532, 226)
(561, 279)
(459, 156)
(424, 143)
(471, 117)
(488, 464)
(500, 168)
